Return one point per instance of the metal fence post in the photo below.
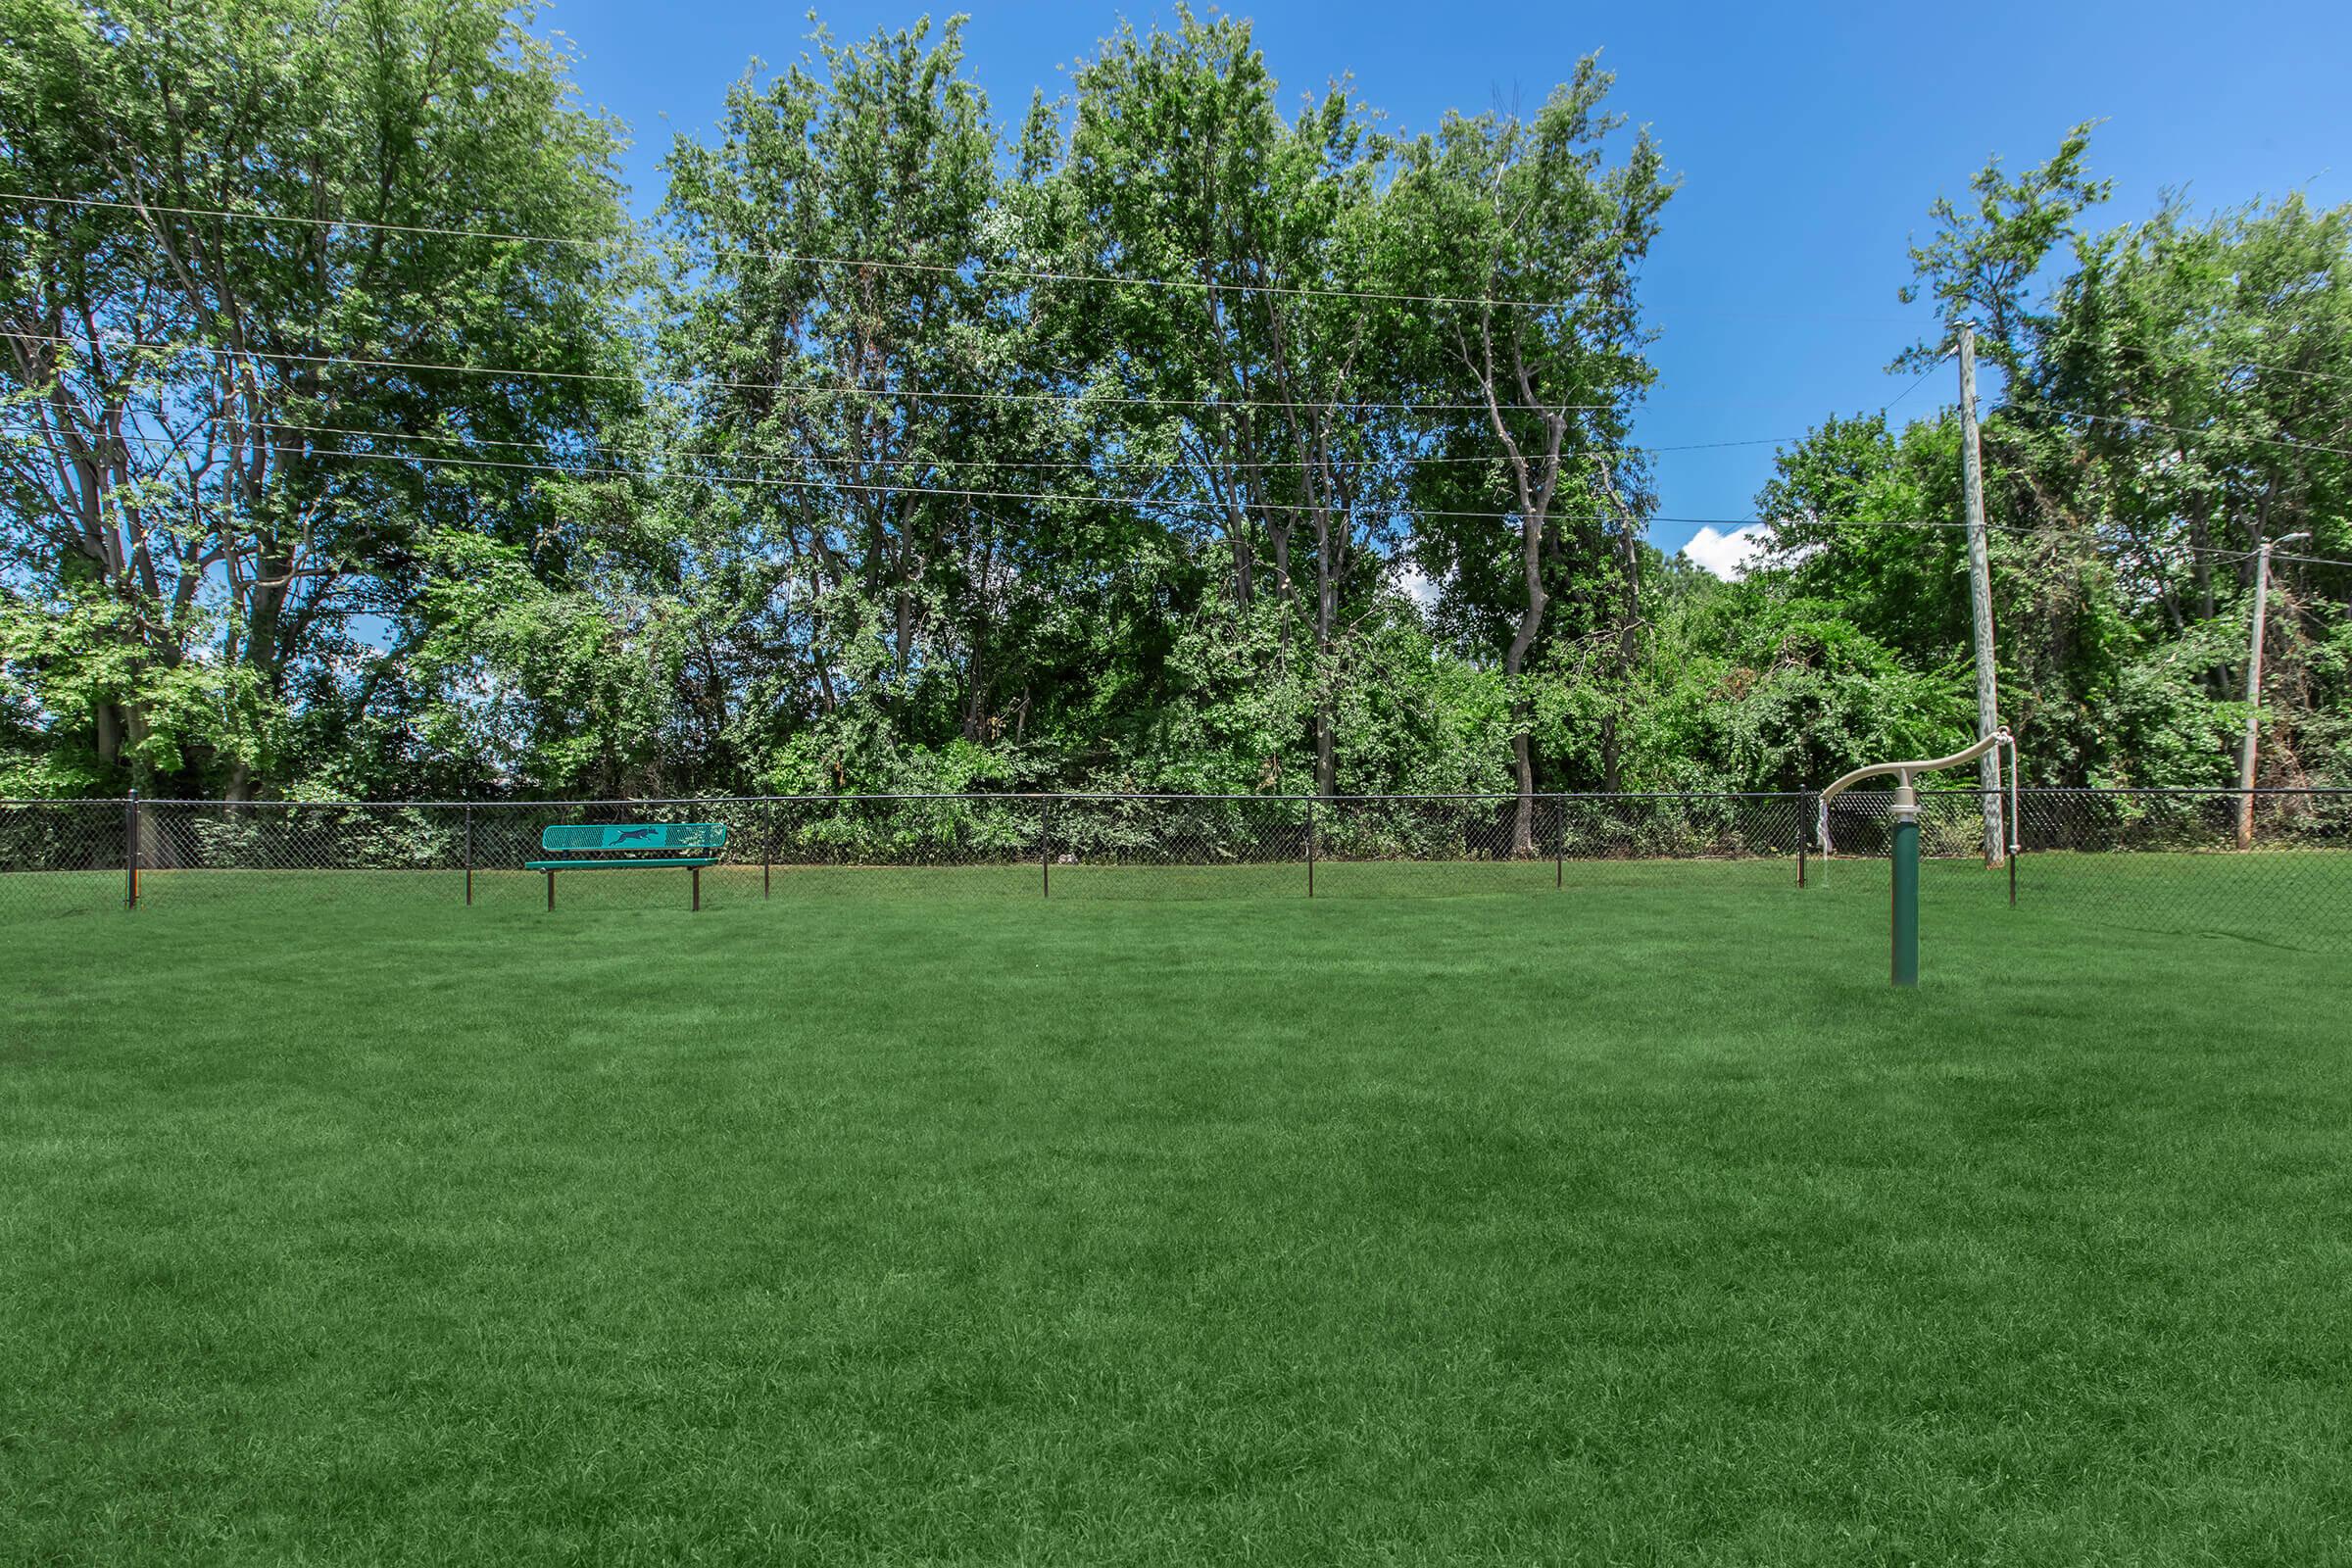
(1804, 831)
(1559, 844)
(1044, 848)
(470, 856)
(2017, 833)
(767, 850)
(131, 850)
(1310, 846)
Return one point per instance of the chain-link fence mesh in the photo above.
(60, 858)
(2270, 865)
(2172, 860)
(2163, 858)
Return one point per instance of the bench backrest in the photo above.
(664, 837)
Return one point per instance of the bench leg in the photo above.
(550, 892)
(696, 872)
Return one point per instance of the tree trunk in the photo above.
(1514, 663)
(1523, 819)
(1629, 644)
(1327, 769)
(107, 739)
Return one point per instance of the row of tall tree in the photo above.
(355, 441)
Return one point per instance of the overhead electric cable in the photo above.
(2288, 369)
(1115, 464)
(791, 390)
(1915, 384)
(798, 257)
(2142, 420)
(594, 470)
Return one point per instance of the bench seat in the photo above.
(630, 847)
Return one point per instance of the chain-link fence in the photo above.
(2167, 858)
(94, 855)
(2275, 866)
(2267, 865)
(64, 856)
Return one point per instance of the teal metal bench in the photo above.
(631, 846)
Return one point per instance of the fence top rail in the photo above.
(1053, 796)
(2120, 791)
(2095, 792)
(2231, 790)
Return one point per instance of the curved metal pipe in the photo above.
(1904, 770)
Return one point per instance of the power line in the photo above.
(2288, 369)
(26, 442)
(1915, 385)
(1829, 522)
(2140, 420)
(1859, 523)
(764, 482)
(1140, 502)
(2239, 365)
(798, 258)
(791, 390)
(1019, 465)
(1091, 466)
(2219, 552)
(964, 493)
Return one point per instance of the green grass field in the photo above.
(1637, 1223)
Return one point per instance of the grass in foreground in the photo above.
(1643, 1226)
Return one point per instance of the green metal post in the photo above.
(1906, 886)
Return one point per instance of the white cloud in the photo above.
(1728, 556)
(1417, 587)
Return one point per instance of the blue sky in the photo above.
(1810, 140)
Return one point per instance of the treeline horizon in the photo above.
(356, 442)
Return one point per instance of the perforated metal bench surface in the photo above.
(635, 836)
(629, 847)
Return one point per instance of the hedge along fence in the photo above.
(159, 838)
(82, 857)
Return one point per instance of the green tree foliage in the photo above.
(1180, 436)
(1535, 498)
(1756, 686)
(180, 383)
(2173, 397)
(1248, 409)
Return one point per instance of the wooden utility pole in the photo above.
(1980, 596)
(2246, 752)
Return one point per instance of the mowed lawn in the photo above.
(1631, 1224)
